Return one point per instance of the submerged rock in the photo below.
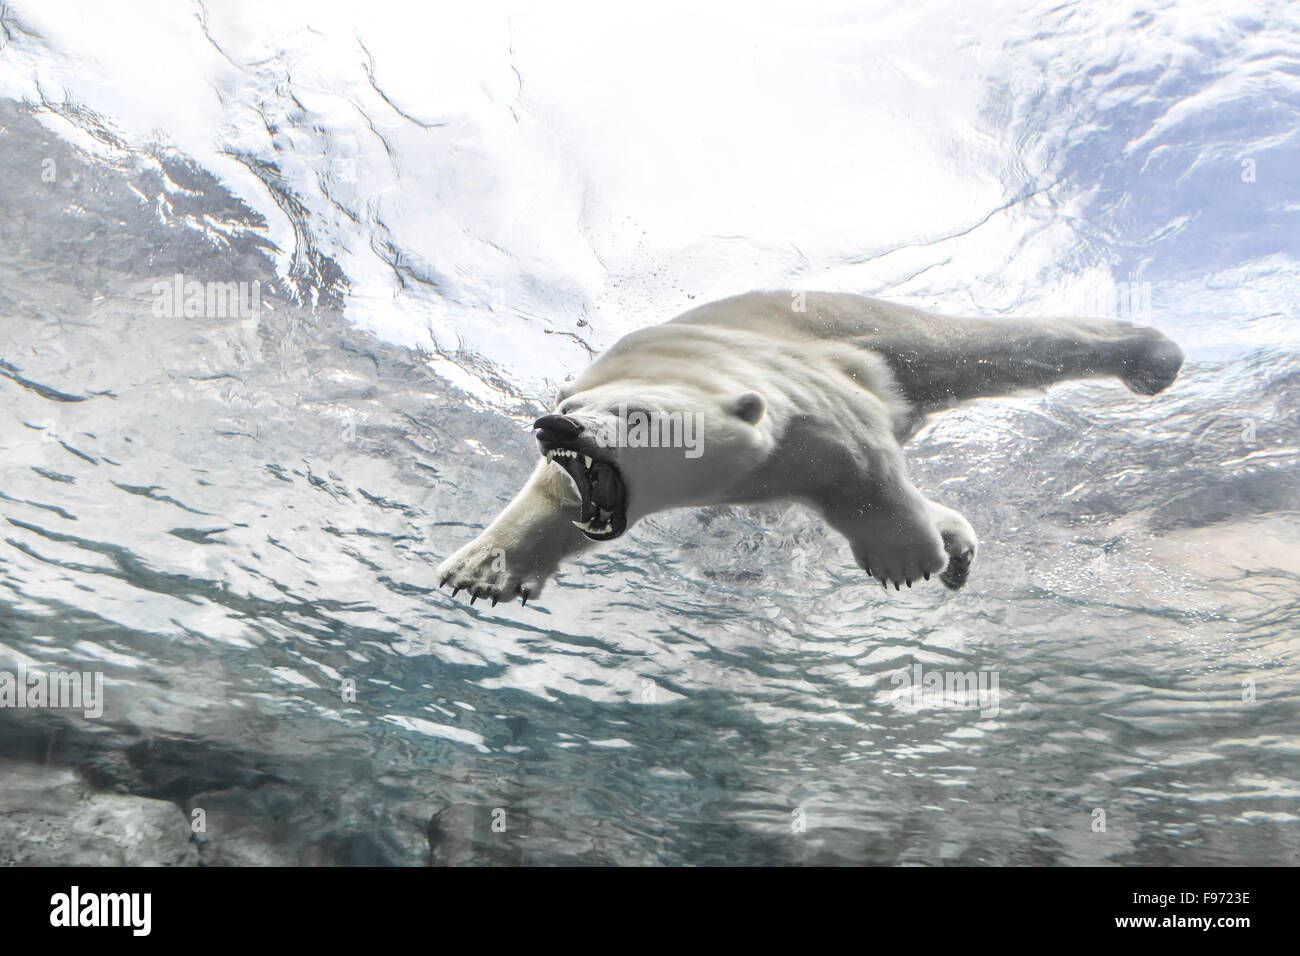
(50, 817)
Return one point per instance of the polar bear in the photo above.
(782, 396)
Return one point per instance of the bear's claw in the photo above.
(479, 582)
(952, 560)
(495, 595)
(483, 570)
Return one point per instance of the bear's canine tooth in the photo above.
(586, 460)
(550, 455)
(582, 525)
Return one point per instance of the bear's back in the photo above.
(813, 315)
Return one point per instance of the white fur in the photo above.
(808, 405)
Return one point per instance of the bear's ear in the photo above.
(749, 407)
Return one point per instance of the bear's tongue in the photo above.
(579, 475)
(600, 488)
(607, 493)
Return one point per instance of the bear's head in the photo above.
(635, 448)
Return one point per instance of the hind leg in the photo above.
(1149, 362)
(940, 361)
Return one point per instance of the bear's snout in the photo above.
(557, 429)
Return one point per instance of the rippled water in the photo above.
(232, 518)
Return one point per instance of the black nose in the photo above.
(556, 429)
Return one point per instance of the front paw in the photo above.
(960, 559)
(483, 569)
(903, 561)
(959, 541)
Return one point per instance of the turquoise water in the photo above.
(237, 519)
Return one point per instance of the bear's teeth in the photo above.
(582, 525)
(586, 460)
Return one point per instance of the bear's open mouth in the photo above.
(601, 488)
